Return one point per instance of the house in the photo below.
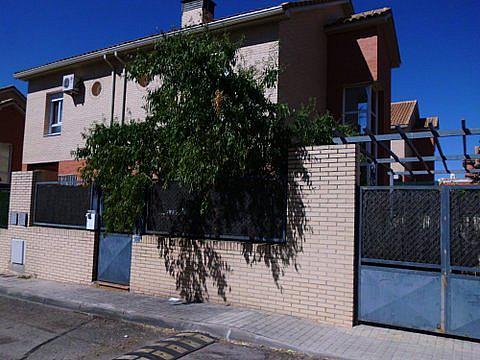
(12, 124)
(328, 52)
(341, 59)
(473, 164)
(406, 116)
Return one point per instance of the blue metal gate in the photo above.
(114, 258)
(419, 262)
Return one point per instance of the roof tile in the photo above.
(401, 113)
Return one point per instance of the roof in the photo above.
(431, 120)
(11, 96)
(366, 15)
(369, 18)
(13, 89)
(406, 114)
(296, 4)
(234, 20)
(402, 113)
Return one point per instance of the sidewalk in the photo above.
(362, 342)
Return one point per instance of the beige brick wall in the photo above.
(54, 254)
(261, 46)
(311, 276)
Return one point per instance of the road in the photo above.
(33, 331)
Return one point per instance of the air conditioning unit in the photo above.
(70, 84)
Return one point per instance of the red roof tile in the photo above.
(402, 113)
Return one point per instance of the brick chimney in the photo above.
(196, 12)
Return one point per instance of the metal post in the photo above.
(445, 254)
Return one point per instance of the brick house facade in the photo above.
(327, 52)
(322, 47)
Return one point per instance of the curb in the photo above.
(216, 330)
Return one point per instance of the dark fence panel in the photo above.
(465, 227)
(252, 210)
(61, 205)
(4, 202)
(401, 225)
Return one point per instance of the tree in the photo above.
(209, 122)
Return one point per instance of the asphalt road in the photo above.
(33, 331)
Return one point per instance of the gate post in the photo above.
(445, 252)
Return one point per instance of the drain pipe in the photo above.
(114, 81)
(124, 74)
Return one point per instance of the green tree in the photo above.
(209, 122)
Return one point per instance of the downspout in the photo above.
(114, 81)
(124, 96)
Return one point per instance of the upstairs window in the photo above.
(360, 108)
(360, 105)
(54, 114)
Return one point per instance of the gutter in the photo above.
(114, 81)
(238, 20)
(124, 95)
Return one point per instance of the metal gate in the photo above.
(419, 263)
(114, 258)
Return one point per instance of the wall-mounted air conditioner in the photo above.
(70, 84)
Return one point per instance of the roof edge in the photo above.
(231, 21)
(383, 17)
(150, 40)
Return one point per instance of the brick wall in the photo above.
(311, 276)
(55, 254)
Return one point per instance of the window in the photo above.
(55, 107)
(5, 163)
(360, 105)
(96, 88)
(360, 108)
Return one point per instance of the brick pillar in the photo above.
(326, 179)
(21, 191)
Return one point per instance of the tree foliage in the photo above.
(208, 121)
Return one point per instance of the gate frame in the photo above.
(445, 268)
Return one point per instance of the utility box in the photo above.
(18, 252)
(91, 218)
(13, 218)
(22, 219)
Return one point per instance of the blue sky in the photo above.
(439, 42)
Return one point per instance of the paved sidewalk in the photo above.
(286, 332)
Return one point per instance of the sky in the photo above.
(439, 43)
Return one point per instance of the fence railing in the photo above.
(4, 203)
(57, 205)
(251, 211)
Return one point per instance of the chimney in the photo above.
(196, 12)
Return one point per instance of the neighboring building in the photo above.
(473, 164)
(406, 114)
(12, 125)
(326, 51)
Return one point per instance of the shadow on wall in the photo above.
(195, 264)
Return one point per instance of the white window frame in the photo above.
(53, 100)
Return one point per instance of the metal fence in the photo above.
(57, 205)
(4, 203)
(401, 225)
(252, 210)
(465, 228)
